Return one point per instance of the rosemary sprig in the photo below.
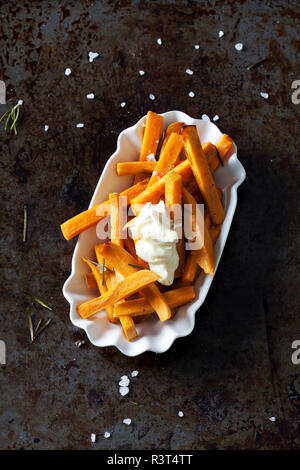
(36, 299)
(100, 265)
(11, 117)
(256, 64)
(219, 156)
(25, 224)
(115, 132)
(136, 266)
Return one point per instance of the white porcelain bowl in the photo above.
(153, 335)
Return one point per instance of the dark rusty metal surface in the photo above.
(234, 371)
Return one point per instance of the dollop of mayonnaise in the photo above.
(155, 240)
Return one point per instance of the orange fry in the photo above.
(174, 127)
(125, 288)
(134, 168)
(168, 157)
(202, 173)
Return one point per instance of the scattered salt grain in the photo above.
(127, 421)
(196, 46)
(46, 128)
(93, 437)
(134, 373)
(221, 34)
(124, 382)
(123, 104)
(90, 96)
(123, 391)
(20, 102)
(107, 435)
(191, 94)
(216, 118)
(80, 124)
(180, 414)
(159, 42)
(149, 158)
(264, 95)
(152, 97)
(68, 72)
(239, 46)
(92, 56)
(154, 172)
(189, 72)
(141, 72)
(205, 118)
(273, 419)
(79, 343)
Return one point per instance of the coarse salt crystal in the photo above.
(152, 97)
(149, 158)
(141, 72)
(180, 414)
(127, 421)
(273, 419)
(189, 72)
(221, 34)
(20, 102)
(80, 124)
(123, 391)
(123, 104)
(46, 128)
(154, 172)
(264, 95)
(159, 41)
(239, 46)
(68, 71)
(93, 437)
(205, 118)
(191, 94)
(124, 377)
(134, 373)
(92, 56)
(196, 46)
(90, 96)
(216, 118)
(107, 435)
(124, 382)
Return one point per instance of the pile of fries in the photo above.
(179, 170)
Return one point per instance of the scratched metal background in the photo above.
(234, 371)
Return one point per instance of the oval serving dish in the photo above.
(154, 335)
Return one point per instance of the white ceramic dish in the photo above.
(153, 335)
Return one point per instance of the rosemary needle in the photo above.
(38, 332)
(250, 67)
(30, 323)
(11, 115)
(25, 225)
(100, 265)
(136, 266)
(219, 156)
(103, 268)
(36, 299)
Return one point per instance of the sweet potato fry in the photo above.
(174, 127)
(211, 155)
(118, 218)
(150, 139)
(156, 191)
(202, 173)
(173, 199)
(168, 157)
(138, 307)
(130, 247)
(191, 272)
(134, 168)
(87, 219)
(128, 286)
(90, 280)
(127, 323)
(214, 231)
(224, 145)
(206, 260)
(101, 286)
(123, 262)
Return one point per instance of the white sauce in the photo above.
(155, 241)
